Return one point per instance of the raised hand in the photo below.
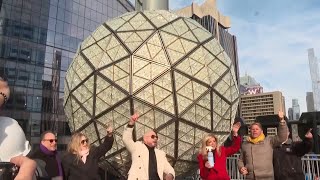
(281, 115)
(308, 135)
(109, 131)
(235, 128)
(133, 118)
(244, 170)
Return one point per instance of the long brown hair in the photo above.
(75, 143)
(203, 149)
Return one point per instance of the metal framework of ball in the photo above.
(167, 68)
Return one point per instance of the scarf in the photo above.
(152, 169)
(257, 139)
(52, 153)
(83, 154)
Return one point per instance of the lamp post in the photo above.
(315, 133)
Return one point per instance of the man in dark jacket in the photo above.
(287, 162)
(46, 156)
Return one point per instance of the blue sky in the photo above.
(273, 38)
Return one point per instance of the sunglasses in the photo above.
(84, 141)
(51, 140)
(154, 136)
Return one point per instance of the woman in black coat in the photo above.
(81, 161)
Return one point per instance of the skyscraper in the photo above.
(290, 114)
(248, 85)
(38, 41)
(310, 102)
(254, 105)
(315, 78)
(210, 18)
(261, 104)
(295, 109)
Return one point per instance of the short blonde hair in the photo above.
(203, 150)
(257, 124)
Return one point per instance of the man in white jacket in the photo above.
(148, 162)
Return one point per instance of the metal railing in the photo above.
(232, 167)
(310, 166)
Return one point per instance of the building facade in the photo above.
(210, 18)
(248, 85)
(290, 114)
(262, 104)
(315, 78)
(295, 109)
(38, 41)
(310, 102)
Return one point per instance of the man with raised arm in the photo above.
(148, 162)
(256, 153)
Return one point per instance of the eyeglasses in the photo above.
(84, 141)
(51, 140)
(154, 136)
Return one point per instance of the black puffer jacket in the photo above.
(287, 162)
(77, 170)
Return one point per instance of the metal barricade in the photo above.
(310, 166)
(232, 167)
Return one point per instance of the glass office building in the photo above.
(38, 40)
(315, 78)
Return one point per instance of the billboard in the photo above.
(253, 90)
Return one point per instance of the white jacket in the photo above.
(140, 158)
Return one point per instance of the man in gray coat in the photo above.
(257, 152)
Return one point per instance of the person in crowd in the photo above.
(26, 166)
(148, 162)
(287, 164)
(47, 154)
(81, 160)
(219, 170)
(256, 153)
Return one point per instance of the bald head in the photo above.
(150, 139)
